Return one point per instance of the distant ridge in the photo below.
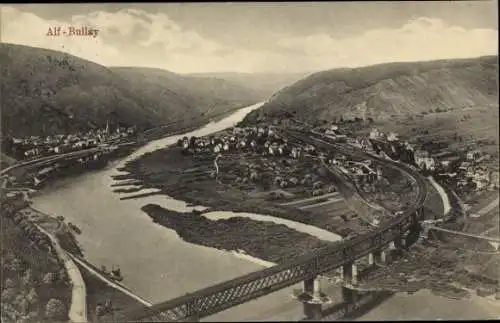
(265, 84)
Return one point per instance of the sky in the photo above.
(259, 37)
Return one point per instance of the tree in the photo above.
(23, 306)
(63, 276)
(55, 309)
(32, 297)
(49, 278)
(8, 295)
(28, 278)
(15, 265)
(192, 141)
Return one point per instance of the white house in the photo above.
(392, 136)
(494, 179)
(473, 155)
(375, 134)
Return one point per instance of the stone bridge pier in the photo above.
(312, 298)
(376, 257)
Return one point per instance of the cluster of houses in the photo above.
(259, 140)
(460, 169)
(471, 171)
(36, 146)
(264, 141)
(376, 134)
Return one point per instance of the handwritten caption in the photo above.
(72, 31)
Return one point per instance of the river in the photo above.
(156, 264)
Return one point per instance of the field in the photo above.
(338, 217)
(462, 128)
(484, 214)
(436, 266)
(190, 179)
(394, 191)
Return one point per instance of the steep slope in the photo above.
(386, 90)
(211, 95)
(264, 84)
(45, 92)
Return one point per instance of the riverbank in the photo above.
(78, 306)
(268, 241)
(104, 300)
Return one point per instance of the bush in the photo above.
(49, 278)
(8, 295)
(32, 297)
(55, 309)
(9, 283)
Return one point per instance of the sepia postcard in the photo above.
(249, 161)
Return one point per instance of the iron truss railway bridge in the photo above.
(305, 269)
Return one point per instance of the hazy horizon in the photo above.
(255, 38)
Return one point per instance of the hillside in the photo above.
(264, 84)
(46, 91)
(212, 94)
(388, 90)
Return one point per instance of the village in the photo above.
(463, 171)
(33, 147)
(263, 156)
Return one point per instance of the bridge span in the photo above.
(305, 269)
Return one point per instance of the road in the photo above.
(108, 281)
(78, 307)
(320, 197)
(488, 208)
(482, 237)
(442, 193)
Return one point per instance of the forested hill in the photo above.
(45, 92)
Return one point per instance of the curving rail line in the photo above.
(211, 300)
